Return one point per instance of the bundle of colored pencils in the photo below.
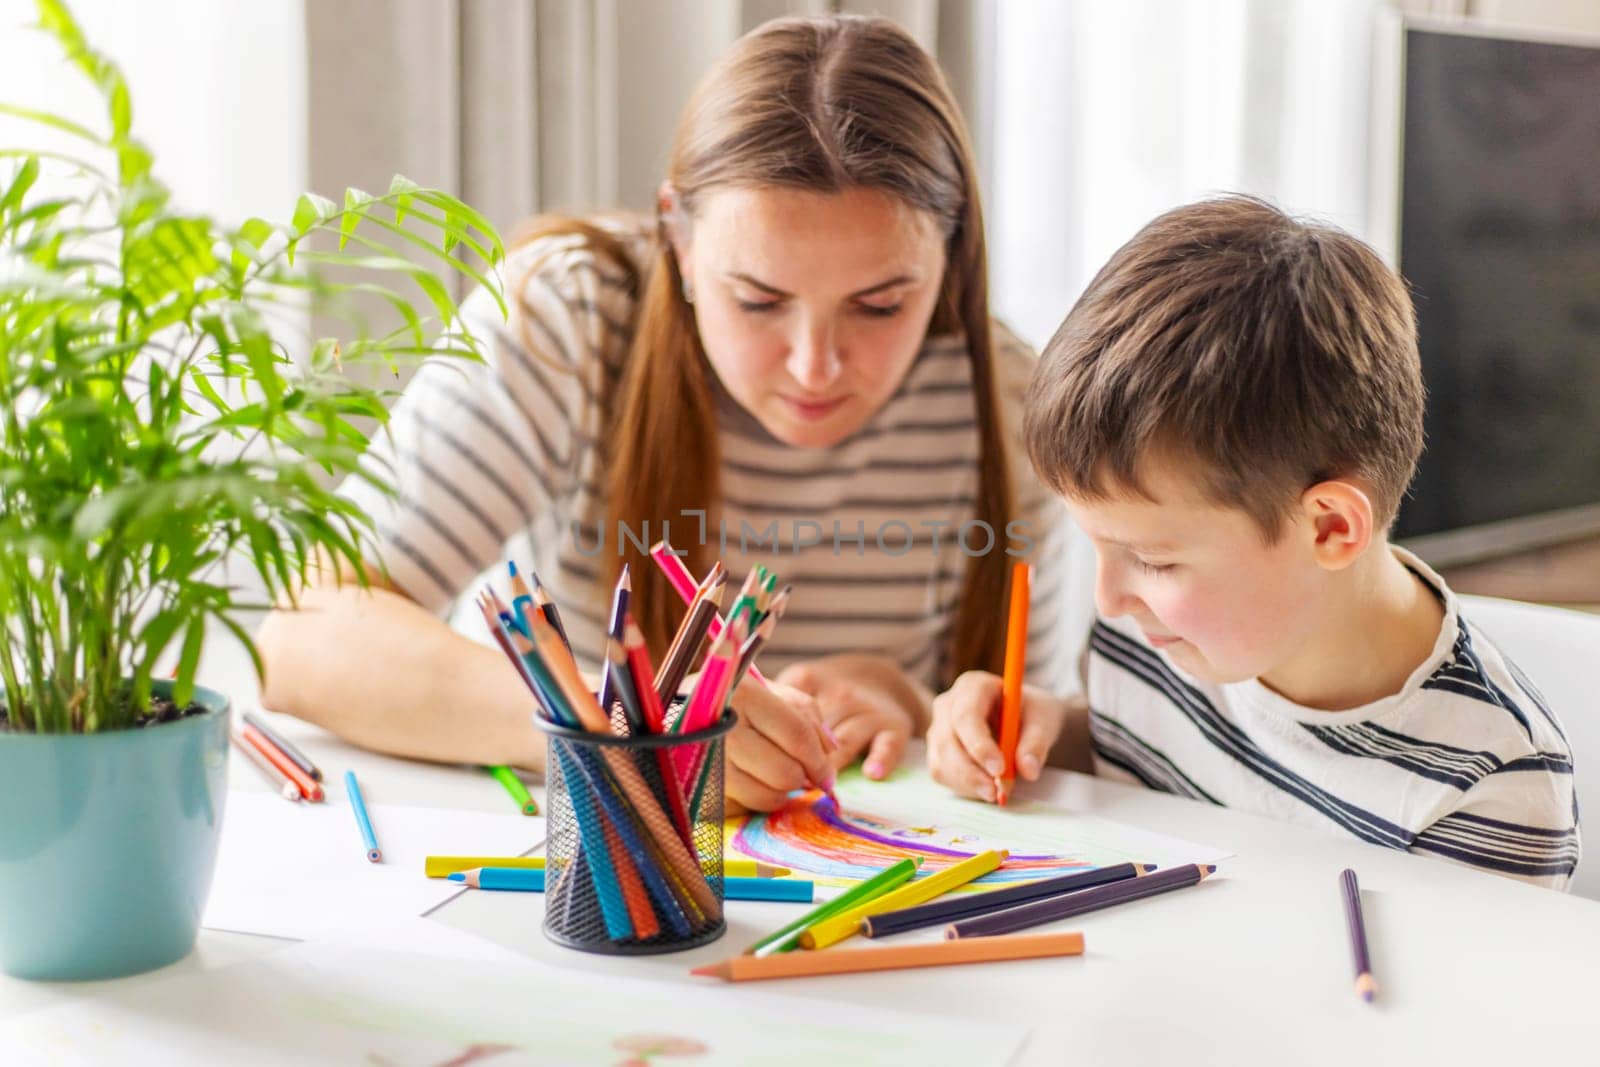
(636, 806)
(289, 771)
(978, 927)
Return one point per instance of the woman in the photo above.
(794, 365)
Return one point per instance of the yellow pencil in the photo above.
(846, 924)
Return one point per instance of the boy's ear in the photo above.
(1340, 515)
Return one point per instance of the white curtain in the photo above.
(1111, 111)
(536, 105)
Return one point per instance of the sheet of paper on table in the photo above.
(295, 870)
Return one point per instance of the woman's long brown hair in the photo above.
(823, 104)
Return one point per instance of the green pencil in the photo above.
(787, 937)
(514, 786)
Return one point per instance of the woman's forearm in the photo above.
(379, 671)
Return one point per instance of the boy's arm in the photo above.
(1520, 823)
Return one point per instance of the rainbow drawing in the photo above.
(909, 815)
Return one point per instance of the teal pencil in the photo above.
(532, 880)
(359, 806)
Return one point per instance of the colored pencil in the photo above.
(571, 685)
(751, 648)
(711, 688)
(1366, 985)
(848, 923)
(643, 676)
(522, 605)
(787, 936)
(619, 602)
(359, 806)
(974, 950)
(632, 792)
(619, 608)
(1069, 904)
(309, 788)
(752, 869)
(547, 605)
(642, 708)
(518, 648)
(938, 912)
(442, 866)
(513, 879)
(279, 780)
(789, 890)
(617, 883)
(686, 645)
(513, 785)
(525, 880)
(684, 583)
(300, 759)
(704, 708)
(1011, 686)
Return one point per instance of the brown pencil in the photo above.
(686, 647)
(751, 647)
(850, 961)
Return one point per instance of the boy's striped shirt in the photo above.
(1466, 762)
(507, 460)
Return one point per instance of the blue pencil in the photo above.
(788, 889)
(359, 806)
(521, 880)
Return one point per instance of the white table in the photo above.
(1250, 967)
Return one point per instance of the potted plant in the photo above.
(159, 417)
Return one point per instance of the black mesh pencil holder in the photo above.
(633, 859)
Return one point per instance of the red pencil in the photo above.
(308, 787)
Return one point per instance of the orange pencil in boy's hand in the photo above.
(1011, 691)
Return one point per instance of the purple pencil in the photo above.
(954, 908)
(1366, 985)
(1069, 904)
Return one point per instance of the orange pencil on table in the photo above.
(1011, 692)
(848, 961)
(308, 787)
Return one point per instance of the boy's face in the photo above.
(1198, 578)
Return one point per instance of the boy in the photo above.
(1232, 413)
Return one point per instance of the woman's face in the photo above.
(811, 307)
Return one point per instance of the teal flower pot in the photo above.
(108, 842)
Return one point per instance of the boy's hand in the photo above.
(962, 751)
(867, 705)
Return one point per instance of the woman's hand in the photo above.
(778, 746)
(871, 706)
(962, 752)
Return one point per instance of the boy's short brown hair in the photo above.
(1272, 353)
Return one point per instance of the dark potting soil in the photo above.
(161, 710)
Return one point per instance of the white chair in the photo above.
(1559, 651)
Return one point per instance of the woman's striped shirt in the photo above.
(507, 460)
(1466, 762)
